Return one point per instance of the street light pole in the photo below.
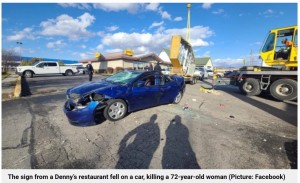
(20, 43)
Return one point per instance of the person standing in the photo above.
(150, 67)
(90, 70)
(157, 67)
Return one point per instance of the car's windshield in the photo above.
(123, 77)
(35, 63)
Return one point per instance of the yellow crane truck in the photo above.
(279, 78)
(183, 59)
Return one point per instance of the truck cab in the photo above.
(281, 47)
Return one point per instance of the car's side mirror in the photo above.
(140, 83)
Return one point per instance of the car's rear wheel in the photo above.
(178, 98)
(115, 110)
(69, 73)
(28, 74)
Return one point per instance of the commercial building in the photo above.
(124, 60)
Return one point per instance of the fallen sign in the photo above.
(209, 90)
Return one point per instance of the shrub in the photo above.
(101, 71)
(109, 70)
(128, 68)
(119, 69)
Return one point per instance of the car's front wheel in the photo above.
(115, 110)
(178, 98)
(28, 74)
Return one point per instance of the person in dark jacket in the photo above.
(90, 70)
(150, 67)
(157, 67)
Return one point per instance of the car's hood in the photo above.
(101, 87)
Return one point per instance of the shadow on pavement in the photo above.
(138, 146)
(288, 115)
(178, 152)
(291, 152)
(25, 90)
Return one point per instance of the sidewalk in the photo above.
(8, 86)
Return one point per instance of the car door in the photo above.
(144, 96)
(51, 68)
(168, 89)
(39, 68)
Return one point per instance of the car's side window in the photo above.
(146, 81)
(41, 65)
(149, 81)
(159, 80)
(52, 64)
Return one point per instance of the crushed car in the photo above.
(121, 93)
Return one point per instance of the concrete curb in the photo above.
(18, 88)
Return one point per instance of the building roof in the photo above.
(167, 51)
(202, 60)
(121, 55)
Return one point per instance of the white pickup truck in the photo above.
(45, 68)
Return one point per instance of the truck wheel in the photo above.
(69, 73)
(284, 89)
(250, 87)
(28, 74)
(115, 110)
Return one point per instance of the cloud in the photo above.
(206, 54)
(58, 43)
(24, 34)
(177, 19)
(206, 5)
(153, 43)
(165, 14)
(65, 25)
(152, 6)
(228, 62)
(100, 47)
(112, 28)
(130, 7)
(156, 24)
(219, 11)
(271, 13)
(81, 6)
(155, 7)
(83, 46)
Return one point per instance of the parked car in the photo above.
(201, 73)
(120, 93)
(81, 70)
(210, 73)
(45, 67)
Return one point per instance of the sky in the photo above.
(226, 32)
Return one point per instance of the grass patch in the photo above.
(5, 75)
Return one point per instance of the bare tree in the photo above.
(8, 57)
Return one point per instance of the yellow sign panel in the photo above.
(97, 54)
(128, 52)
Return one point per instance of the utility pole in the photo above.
(251, 58)
(20, 43)
(188, 26)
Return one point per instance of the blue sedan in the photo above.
(120, 93)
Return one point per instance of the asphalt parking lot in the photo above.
(217, 130)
